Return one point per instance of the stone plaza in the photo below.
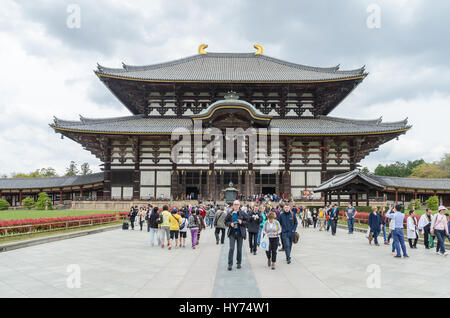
(121, 263)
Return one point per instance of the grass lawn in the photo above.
(5, 240)
(35, 214)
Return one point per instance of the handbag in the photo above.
(296, 237)
(264, 244)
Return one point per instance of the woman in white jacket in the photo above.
(412, 229)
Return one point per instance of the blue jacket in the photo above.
(374, 221)
(288, 222)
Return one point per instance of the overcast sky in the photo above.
(47, 67)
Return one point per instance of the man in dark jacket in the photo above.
(219, 224)
(254, 220)
(288, 223)
(374, 223)
(154, 220)
(236, 221)
(334, 217)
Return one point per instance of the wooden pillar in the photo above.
(20, 197)
(60, 196)
(323, 159)
(136, 146)
(356, 199)
(367, 198)
(396, 196)
(107, 171)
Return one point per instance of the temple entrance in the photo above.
(193, 192)
(268, 190)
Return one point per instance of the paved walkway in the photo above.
(122, 264)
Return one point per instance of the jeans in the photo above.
(273, 246)
(426, 235)
(259, 234)
(222, 239)
(154, 233)
(211, 222)
(328, 224)
(194, 233)
(333, 226)
(141, 223)
(399, 241)
(375, 232)
(440, 246)
(286, 238)
(384, 233)
(235, 239)
(253, 241)
(351, 224)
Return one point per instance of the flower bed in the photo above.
(17, 227)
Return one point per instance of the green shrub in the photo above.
(4, 205)
(432, 203)
(43, 200)
(28, 202)
(415, 204)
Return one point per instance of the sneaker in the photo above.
(377, 244)
(398, 256)
(438, 253)
(229, 267)
(393, 253)
(169, 247)
(273, 265)
(385, 243)
(289, 261)
(217, 242)
(254, 252)
(445, 254)
(268, 262)
(405, 256)
(193, 247)
(238, 266)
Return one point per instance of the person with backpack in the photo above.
(424, 226)
(254, 220)
(288, 224)
(219, 223)
(262, 211)
(165, 225)
(175, 221)
(147, 216)
(272, 229)
(211, 215)
(194, 225)
(154, 221)
(202, 224)
(183, 230)
(315, 216)
(439, 228)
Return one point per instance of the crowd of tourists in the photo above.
(270, 227)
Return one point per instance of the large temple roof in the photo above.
(229, 67)
(50, 182)
(322, 125)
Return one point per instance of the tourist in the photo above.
(288, 223)
(411, 229)
(202, 223)
(322, 218)
(350, 213)
(334, 217)
(133, 214)
(141, 217)
(272, 228)
(439, 228)
(219, 223)
(308, 217)
(448, 219)
(398, 235)
(315, 216)
(165, 225)
(175, 221)
(194, 225)
(328, 213)
(374, 225)
(147, 216)
(211, 214)
(236, 221)
(424, 226)
(183, 229)
(383, 224)
(262, 211)
(154, 221)
(253, 223)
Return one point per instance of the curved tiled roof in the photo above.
(384, 181)
(139, 124)
(50, 182)
(229, 67)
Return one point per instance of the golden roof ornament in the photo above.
(259, 49)
(201, 48)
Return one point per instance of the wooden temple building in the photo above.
(220, 91)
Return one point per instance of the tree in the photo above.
(432, 203)
(48, 172)
(4, 205)
(43, 201)
(38, 173)
(444, 163)
(414, 204)
(28, 202)
(85, 170)
(398, 169)
(429, 170)
(365, 170)
(72, 170)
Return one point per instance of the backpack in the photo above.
(183, 224)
